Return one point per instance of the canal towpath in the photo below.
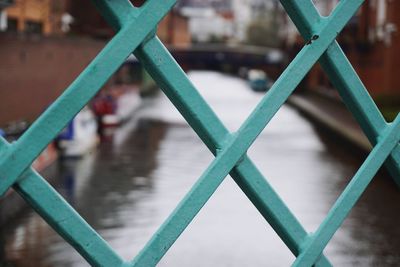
(332, 114)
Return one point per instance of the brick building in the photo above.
(37, 16)
(374, 49)
(173, 29)
(60, 57)
(371, 41)
(209, 20)
(47, 17)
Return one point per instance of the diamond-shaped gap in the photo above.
(29, 240)
(370, 235)
(320, 101)
(65, 51)
(158, 107)
(126, 193)
(51, 51)
(366, 59)
(304, 164)
(60, 62)
(180, 160)
(69, 54)
(138, 3)
(213, 91)
(23, 82)
(34, 72)
(228, 231)
(325, 7)
(230, 97)
(176, 162)
(107, 188)
(24, 242)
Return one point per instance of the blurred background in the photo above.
(129, 157)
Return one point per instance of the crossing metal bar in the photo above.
(22, 153)
(343, 76)
(245, 174)
(318, 241)
(64, 219)
(237, 144)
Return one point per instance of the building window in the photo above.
(33, 27)
(12, 25)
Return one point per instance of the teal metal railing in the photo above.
(136, 34)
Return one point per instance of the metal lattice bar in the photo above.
(136, 33)
(345, 79)
(317, 242)
(79, 93)
(239, 143)
(64, 219)
(245, 174)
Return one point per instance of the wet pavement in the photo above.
(128, 187)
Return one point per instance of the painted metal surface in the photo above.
(136, 34)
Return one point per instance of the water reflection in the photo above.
(129, 186)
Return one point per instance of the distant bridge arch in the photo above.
(229, 58)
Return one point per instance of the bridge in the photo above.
(225, 58)
(229, 58)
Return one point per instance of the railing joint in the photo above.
(304, 244)
(242, 158)
(152, 34)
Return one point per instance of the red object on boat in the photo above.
(104, 105)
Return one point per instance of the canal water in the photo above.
(127, 188)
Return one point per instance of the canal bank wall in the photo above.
(332, 115)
